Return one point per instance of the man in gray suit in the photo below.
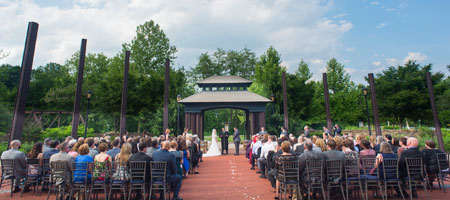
(63, 155)
(308, 154)
(236, 140)
(20, 162)
(332, 153)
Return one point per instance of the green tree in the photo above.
(338, 79)
(150, 48)
(402, 92)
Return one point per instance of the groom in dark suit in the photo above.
(236, 140)
(224, 140)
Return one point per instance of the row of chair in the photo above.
(358, 174)
(53, 176)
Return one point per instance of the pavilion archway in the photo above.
(225, 92)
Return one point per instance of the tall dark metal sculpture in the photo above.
(76, 105)
(327, 101)
(166, 96)
(24, 82)
(373, 96)
(437, 125)
(123, 110)
(285, 106)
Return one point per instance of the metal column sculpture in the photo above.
(123, 110)
(76, 105)
(373, 96)
(435, 114)
(166, 96)
(327, 101)
(285, 106)
(24, 82)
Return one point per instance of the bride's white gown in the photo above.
(214, 148)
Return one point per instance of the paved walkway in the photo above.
(226, 177)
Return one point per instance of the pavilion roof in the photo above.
(224, 80)
(224, 96)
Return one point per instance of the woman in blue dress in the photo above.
(83, 162)
(183, 147)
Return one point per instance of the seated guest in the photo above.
(172, 176)
(184, 149)
(63, 155)
(73, 152)
(332, 153)
(178, 156)
(153, 147)
(115, 150)
(195, 154)
(102, 161)
(385, 153)
(91, 144)
(357, 143)
(54, 149)
(141, 156)
(47, 145)
(255, 155)
(35, 153)
(376, 148)
(285, 156)
(270, 145)
(320, 144)
(308, 154)
(431, 161)
(367, 151)
(411, 152)
(402, 142)
(347, 149)
(395, 144)
(20, 162)
(121, 160)
(81, 168)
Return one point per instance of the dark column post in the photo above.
(327, 101)
(166, 96)
(123, 109)
(373, 96)
(437, 125)
(247, 124)
(76, 105)
(285, 106)
(252, 123)
(262, 119)
(193, 123)
(187, 120)
(24, 82)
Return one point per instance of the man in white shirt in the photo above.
(270, 145)
(255, 148)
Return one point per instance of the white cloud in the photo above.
(340, 15)
(375, 3)
(376, 63)
(392, 62)
(317, 61)
(381, 25)
(415, 56)
(350, 49)
(295, 28)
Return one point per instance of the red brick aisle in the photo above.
(225, 177)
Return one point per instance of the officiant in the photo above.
(224, 140)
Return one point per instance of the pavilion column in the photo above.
(200, 127)
(193, 127)
(187, 120)
(262, 119)
(247, 125)
(252, 123)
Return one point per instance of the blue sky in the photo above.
(366, 36)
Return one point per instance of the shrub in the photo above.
(62, 132)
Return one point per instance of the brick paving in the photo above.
(222, 178)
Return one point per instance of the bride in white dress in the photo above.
(214, 148)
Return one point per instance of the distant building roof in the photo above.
(224, 96)
(224, 80)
